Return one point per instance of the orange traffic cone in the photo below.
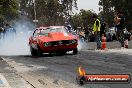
(103, 42)
(126, 43)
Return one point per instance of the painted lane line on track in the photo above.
(19, 67)
(27, 83)
(3, 82)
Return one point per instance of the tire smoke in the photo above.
(18, 44)
(82, 45)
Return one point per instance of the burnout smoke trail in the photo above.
(82, 45)
(18, 45)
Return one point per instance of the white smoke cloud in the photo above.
(17, 45)
(82, 45)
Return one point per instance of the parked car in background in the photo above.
(109, 36)
(127, 34)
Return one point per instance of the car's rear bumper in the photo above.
(60, 48)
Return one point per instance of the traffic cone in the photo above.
(103, 42)
(126, 43)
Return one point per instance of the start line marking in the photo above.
(3, 82)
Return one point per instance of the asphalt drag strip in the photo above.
(60, 71)
(9, 77)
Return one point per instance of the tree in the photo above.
(48, 11)
(86, 17)
(8, 10)
(107, 11)
(83, 18)
(77, 21)
(108, 8)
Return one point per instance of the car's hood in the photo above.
(56, 36)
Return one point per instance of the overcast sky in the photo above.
(88, 4)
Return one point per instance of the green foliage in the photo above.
(1, 20)
(8, 10)
(109, 7)
(77, 21)
(83, 19)
(50, 12)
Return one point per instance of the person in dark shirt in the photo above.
(9, 32)
(97, 23)
(86, 31)
(120, 28)
(102, 28)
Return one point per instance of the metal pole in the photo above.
(34, 12)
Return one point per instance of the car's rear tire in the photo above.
(75, 51)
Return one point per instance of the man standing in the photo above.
(96, 30)
(103, 29)
(86, 32)
(120, 28)
(9, 32)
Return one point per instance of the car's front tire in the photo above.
(75, 51)
(39, 52)
(33, 51)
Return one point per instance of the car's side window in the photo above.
(35, 33)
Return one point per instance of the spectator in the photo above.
(96, 30)
(9, 31)
(102, 29)
(120, 28)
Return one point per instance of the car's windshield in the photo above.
(49, 30)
